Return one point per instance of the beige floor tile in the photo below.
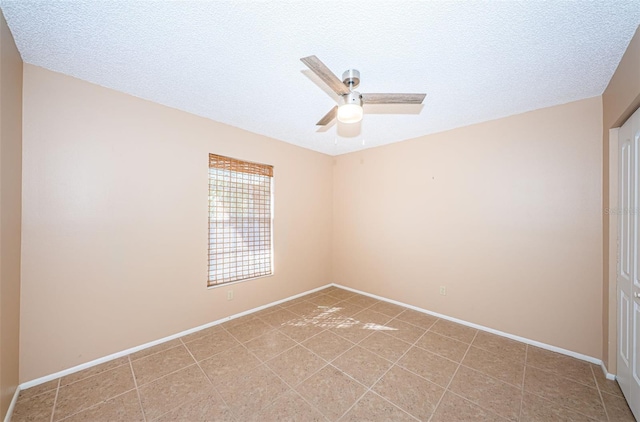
(326, 317)
(304, 309)
(501, 346)
(404, 331)
(443, 346)
(226, 366)
(324, 300)
(90, 391)
(331, 392)
(373, 408)
(155, 349)
(253, 369)
(269, 345)
(368, 317)
(295, 301)
(201, 333)
(561, 365)
(387, 308)
(617, 408)
(341, 294)
(410, 392)
(419, 319)
(295, 365)
(123, 408)
(537, 409)
(94, 370)
(454, 408)
(348, 309)
(454, 330)
(565, 392)
(605, 385)
(494, 366)
(496, 396)
(327, 345)
(361, 300)
(385, 346)
(290, 407)
(207, 346)
(428, 365)
(362, 365)
(249, 330)
(152, 367)
(352, 330)
(35, 408)
(209, 407)
(39, 389)
(301, 330)
(173, 390)
(252, 392)
(278, 317)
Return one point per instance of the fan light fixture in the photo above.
(351, 110)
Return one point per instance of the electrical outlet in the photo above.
(229, 294)
(443, 290)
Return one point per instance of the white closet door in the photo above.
(628, 273)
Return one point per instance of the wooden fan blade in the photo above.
(393, 98)
(325, 74)
(328, 117)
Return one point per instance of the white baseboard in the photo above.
(483, 328)
(126, 352)
(609, 376)
(46, 378)
(12, 405)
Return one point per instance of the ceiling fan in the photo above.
(350, 111)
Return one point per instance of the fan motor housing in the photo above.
(354, 97)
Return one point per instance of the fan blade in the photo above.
(328, 117)
(393, 98)
(325, 74)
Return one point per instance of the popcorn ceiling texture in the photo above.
(238, 62)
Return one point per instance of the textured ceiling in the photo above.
(238, 62)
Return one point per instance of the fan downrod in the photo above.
(351, 78)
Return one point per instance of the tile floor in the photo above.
(332, 355)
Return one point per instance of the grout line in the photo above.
(453, 376)
(135, 383)
(501, 418)
(55, 400)
(93, 406)
(600, 395)
(384, 399)
(524, 374)
(212, 385)
(292, 388)
(570, 409)
(393, 363)
(558, 374)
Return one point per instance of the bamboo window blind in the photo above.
(240, 220)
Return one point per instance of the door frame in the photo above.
(611, 220)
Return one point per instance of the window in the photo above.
(240, 220)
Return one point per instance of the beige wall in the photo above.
(10, 210)
(115, 221)
(619, 101)
(506, 214)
